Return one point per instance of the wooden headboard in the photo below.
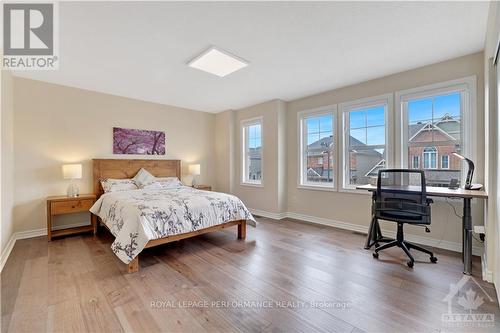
(125, 168)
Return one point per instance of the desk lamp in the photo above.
(470, 173)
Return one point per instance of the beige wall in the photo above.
(55, 124)
(281, 158)
(7, 160)
(269, 197)
(355, 208)
(224, 147)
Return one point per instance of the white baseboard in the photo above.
(274, 216)
(6, 252)
(30, 234)
(329, 222)
(427, 241)
(487, 274)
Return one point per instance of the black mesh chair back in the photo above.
(401, 196)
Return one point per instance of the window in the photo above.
(252, 151)
(317, 148)
(430, 158)
(415, 162)
(364, 140)
(445, 162)
(437, 121)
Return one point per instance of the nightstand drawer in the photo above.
(71, 206)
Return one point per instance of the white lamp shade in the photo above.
(72, 171)
(194, 169)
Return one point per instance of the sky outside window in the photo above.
(319, 128)
(368, 125)
(254, 136)
(421, 110)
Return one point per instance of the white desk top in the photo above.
(438, 191)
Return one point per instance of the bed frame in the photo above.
(127, 168)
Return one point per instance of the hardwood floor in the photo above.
(293, 276)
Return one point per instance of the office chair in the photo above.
(401, 197)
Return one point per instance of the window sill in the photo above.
(317, 188)
(251, 184)
(354, 191)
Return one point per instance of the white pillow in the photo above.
(143, 178)
(164, 183)
(116, 185)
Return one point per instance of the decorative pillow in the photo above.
(115, 185)
(164, 183)
(143, 178)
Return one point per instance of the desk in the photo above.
(375, 234)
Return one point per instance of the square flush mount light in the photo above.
(218, 62)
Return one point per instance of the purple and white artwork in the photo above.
(140, 142)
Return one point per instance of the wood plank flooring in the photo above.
(287, 276)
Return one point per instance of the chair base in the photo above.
(406, 246)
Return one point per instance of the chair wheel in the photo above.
(434, 259)
(375, 255)
(410, 263)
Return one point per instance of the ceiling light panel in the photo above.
(218, 62)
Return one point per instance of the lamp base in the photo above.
(73, 190)
(474, 187)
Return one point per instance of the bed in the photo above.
(143, 218)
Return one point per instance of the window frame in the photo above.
(434, 151)
(344, 109)
(245, 123)
(447, 162)
(413, 162)
(467, 87)
(302, 144)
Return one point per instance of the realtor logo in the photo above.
(469, 296)
(29, 31)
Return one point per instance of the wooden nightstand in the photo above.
(203, 187)
(59, 205)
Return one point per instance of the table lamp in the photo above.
(468, 180)
(72, 171)
(194, 169)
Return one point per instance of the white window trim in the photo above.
(345, 108)
(243, 179)
(467, 85)
(325, 110)
(441, 159)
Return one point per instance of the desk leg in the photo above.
(467, 236)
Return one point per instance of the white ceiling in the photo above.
(140, 50)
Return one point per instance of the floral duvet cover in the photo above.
(136, 216)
